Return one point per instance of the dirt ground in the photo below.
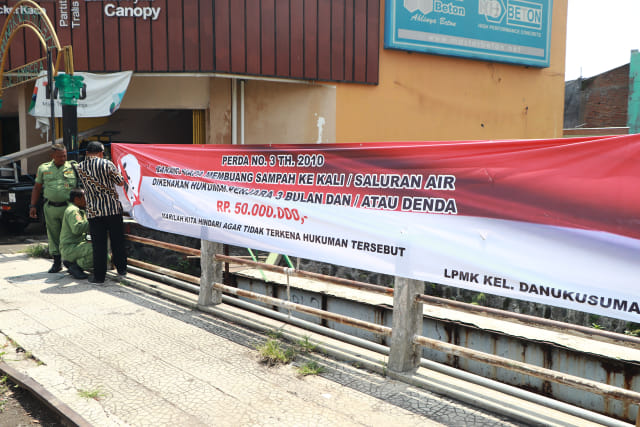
(19, 408)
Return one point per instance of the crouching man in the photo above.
(76, 251)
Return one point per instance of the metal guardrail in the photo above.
(164, 271)
(601, 389)
(164, 245)
(345, 320)
(431, 300)
(605, 390)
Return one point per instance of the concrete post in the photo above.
(404, 355)
(211, 272)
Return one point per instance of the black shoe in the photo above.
(76, 271)
(66, 264)
(92, 279)
(57, 264)
(122, 273)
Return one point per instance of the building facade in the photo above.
(291, 71)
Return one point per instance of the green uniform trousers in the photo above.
(53, 216)
(81, 254)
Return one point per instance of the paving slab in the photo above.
(153, 362)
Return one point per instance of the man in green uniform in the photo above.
(76, 251)
(54, 179)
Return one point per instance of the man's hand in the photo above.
(35, 196)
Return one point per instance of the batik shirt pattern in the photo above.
(99, 178)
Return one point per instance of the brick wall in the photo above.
(604, 99)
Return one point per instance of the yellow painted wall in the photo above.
(219, 111)
(156, 91)
(289, 113)
(274, 112)
(430, 97)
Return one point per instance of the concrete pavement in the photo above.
(152, 362)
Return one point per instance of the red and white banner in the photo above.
(550, 221)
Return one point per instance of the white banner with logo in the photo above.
(100, 96)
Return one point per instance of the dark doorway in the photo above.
(9, 134)
(152, 126)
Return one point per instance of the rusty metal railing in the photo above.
(602, 389)
(425, 299)
(431, 300)
(166, 271)
(606, 390)
(164, 245)
(345, 320)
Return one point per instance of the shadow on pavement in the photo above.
(43, 276)
(67, 288)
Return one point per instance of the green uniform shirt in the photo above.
(74, 227)
(56, 181)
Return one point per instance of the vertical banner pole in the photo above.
(51, 96)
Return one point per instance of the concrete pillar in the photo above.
(404, 355)
(633, 107)
(211, 272)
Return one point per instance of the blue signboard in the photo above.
(513, 31)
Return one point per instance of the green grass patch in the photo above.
(305, 345)
(384, 367)
(310, 368)
(275, 334)
(479, 299)
(95, 394)
(38, 250)
(272, 353)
